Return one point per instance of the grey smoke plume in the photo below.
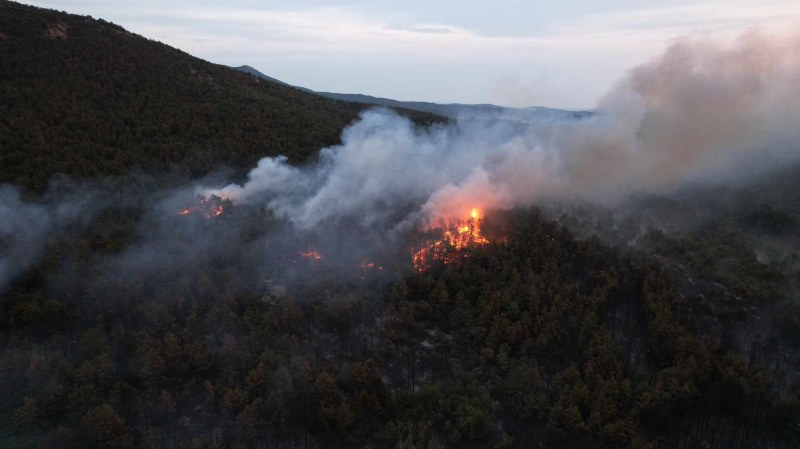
(702, 110)
(22, 230)
(26, 227)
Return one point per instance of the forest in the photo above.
(86, 98)
(538, 338)
(149, 319)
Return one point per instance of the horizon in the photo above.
(564, 56)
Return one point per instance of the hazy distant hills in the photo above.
(87, 98)
(456, 110)
(451, 110)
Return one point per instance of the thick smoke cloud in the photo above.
(702, 107)
(701, 111)
(384, 169)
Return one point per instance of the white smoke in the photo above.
(701, 110)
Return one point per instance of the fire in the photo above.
(455, 236)
(209, 207)
(311, 254)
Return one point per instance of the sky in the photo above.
(563, 54)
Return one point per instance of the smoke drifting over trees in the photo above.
(701, 111)
(26, 227)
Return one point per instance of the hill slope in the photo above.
(452, 110)
(254, 72)
(457, 109)
(87, 98)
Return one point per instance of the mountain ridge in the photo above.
(451, 110)
(87, 98)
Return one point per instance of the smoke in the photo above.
(27, 227)
(385, 168)
(702, 111)
(22, 229)
(704, 107)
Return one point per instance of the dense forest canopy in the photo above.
(144, 316)
(534, 339)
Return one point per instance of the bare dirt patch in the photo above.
(57, 30)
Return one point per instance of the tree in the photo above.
(104, 428)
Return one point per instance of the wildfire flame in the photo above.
(209, 207)
(455, 236)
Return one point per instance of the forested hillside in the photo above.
(537, 340)
(87, 98)
(135, 313)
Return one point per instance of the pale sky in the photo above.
(511, 52)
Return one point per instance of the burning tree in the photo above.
(452, 238)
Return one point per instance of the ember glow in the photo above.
(455, 236)
(311, 254)
(209, 207)
(367, 265)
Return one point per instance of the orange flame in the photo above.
(208, 207)
(475, 214)
(456, 236)
(214, 212)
